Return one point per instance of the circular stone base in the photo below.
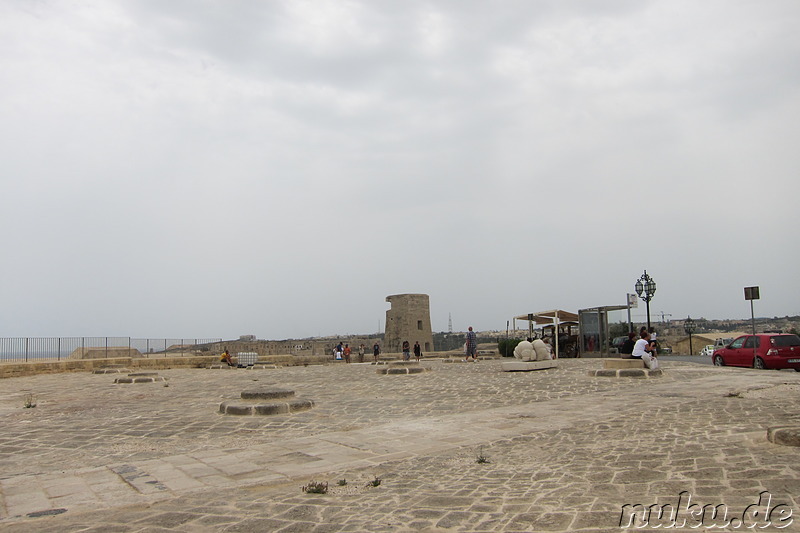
(266, 408)
(144, 377)
(785, 436)
(626, 373)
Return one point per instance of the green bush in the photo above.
(505, 347)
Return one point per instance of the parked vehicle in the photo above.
(616, 344)
(765, 350)
(721, 343)
(708, 350)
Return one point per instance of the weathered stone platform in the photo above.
(527, 366)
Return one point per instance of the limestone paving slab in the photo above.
(565, 450)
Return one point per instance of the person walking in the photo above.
(417, 351)
(376, 351)
(471, 345)
(406, 351)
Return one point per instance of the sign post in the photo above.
(751, 293)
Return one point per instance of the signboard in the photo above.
(751, 293)
(633, 301)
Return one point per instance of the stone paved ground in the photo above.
(565, 451)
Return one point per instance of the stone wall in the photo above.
(9, 370)
(409, 319)
(104, 353)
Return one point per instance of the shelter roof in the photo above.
(549, 317)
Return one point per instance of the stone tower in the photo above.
(409, 319)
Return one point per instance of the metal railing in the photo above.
(58, 348)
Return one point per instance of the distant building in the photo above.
(409, 319)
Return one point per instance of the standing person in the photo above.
(376, 351)
(361, 350)
(471, 345)
(417, 351)
(406, 351)
(347, 353)
(653, 340)
(337, 352)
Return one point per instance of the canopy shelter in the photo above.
(594, 329)
(554, 317)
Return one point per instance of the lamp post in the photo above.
(646, 288)
(689, 327)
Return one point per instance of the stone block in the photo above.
(266, 394)
(631, 373)
(785, 436)
(300, 405)
(623, 363)
(270, 409)
(242, 410)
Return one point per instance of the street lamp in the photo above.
(646, 288)
(689, 327)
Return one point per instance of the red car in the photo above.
(764, 350)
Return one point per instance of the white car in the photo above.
(708, 350)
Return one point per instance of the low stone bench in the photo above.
(111, 369)
(527, 366)
(261, 365)
(402, 367)
(141, 377)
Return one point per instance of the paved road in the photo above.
(565, 451)
(686, 359)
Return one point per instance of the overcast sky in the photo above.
(217, 168)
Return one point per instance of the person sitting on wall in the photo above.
(226, 358)
(627, 347)
(644, 349)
